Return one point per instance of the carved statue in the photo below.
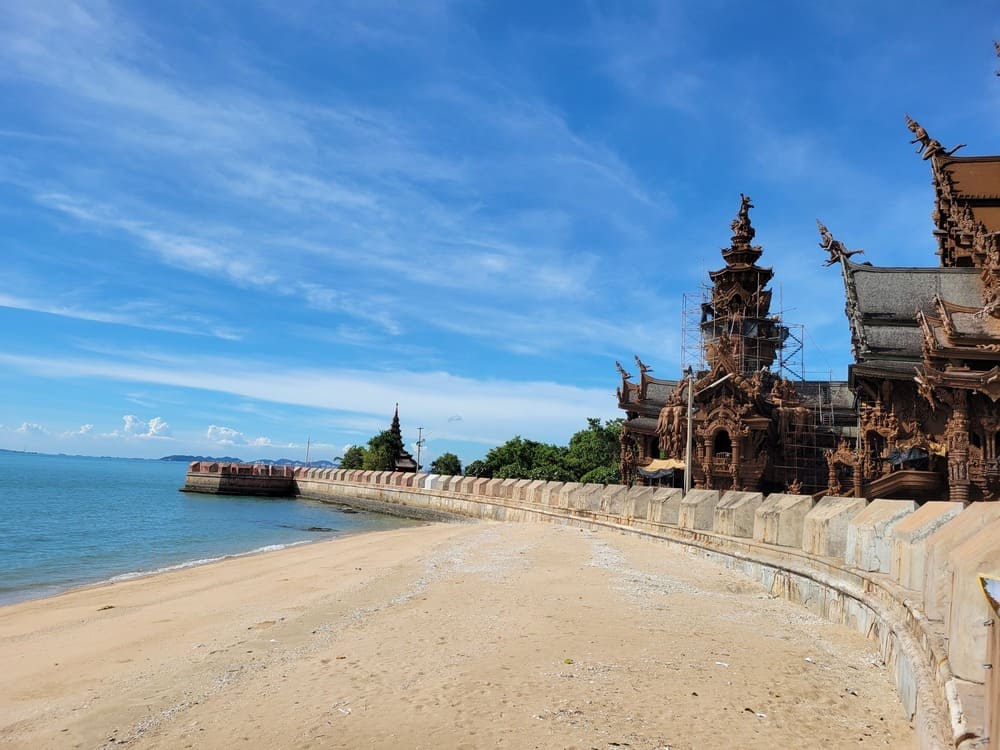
(720, 353)
(743, 231)
(669, 427)
(928, 146)
(643, 367)
(621, 371)
(836, 248)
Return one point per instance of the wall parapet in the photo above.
(816, 555)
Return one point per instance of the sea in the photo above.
(69, 521)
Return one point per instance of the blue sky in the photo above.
(232, 226)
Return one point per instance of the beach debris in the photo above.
(106, 606)
(567, 660)
(341, 657)
(852, 691)
(758, 714)
(721, 664)
(810, 660)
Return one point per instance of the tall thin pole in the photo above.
(420, 442)
(687, 451)
(308, 440)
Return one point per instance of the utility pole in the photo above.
(420, 443)
(308, 440)
(690, 425)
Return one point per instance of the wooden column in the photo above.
(958, 449)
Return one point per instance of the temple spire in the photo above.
(395, 429)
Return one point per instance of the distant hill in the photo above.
(271, 461)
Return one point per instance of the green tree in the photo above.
(592, 456)
(602, 475)
(382, 452)
(478, 469)
(354, 458)
(446, 463)
(597, 447)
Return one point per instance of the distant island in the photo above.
(273, 461)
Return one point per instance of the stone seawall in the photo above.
(870, 566)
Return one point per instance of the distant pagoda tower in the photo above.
(404, 460)
(739, 331)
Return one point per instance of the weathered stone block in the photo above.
(584, 496)
(734, 515)
(637, 502)
(519, 491)
(697, 510)
(467, 484)
(968, 608)
(532, 493)
(479, 486)
(909, 541)
(937, 568)
(824, 531)
(665, 505)
(869, 534)
(780, 518)
(507, 487)
(565, 493)
(613, 500)
(430, 482)
(493, 486)
(551, 493)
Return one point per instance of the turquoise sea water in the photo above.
(67, 521)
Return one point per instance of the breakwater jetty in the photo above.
(908, 576)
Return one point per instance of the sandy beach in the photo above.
(444, 636)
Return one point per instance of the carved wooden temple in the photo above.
(752, 428)
(926, 347)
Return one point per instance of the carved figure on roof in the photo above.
(783, 390)
(621, 371)
(836, 248)
(643, 367)
(743, 231)
(928, 146)
(720, 353)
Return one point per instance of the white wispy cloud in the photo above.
(151, 317)
(364, 196)
(492, 409)
(32, 428)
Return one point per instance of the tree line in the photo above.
(592, 455)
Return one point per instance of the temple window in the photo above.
(722, 445)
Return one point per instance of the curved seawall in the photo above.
(904, 575)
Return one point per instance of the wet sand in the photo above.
(443, 636)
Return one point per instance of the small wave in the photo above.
(202, 561)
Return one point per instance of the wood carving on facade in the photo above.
(933, 434)
(751, 430)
